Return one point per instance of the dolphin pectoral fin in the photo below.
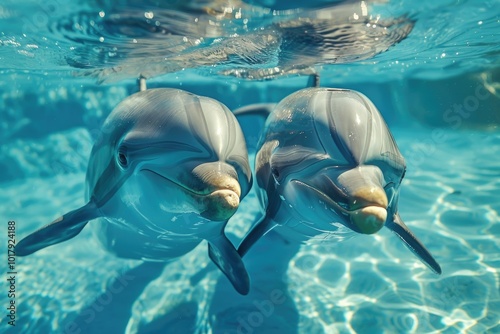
(225, 256)
(410, 240)
(263, 226)
(61, 229)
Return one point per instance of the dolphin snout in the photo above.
(220, 205)
(367, 200)
(370, 195)
(213, 176)
(221, 193)
(368, 209)
(217, 181)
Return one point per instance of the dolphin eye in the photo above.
(122, 158)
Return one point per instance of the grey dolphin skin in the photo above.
(327, 165)
(168, 171)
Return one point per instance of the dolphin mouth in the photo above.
(217, 201)
(231, 184)
(366, 211)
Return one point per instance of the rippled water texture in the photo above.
(109, 39)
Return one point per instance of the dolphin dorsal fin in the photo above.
(225, 256)
(61, 229)
(410, 240)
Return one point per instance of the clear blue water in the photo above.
(53, 58)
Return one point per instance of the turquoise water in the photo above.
(437, 88)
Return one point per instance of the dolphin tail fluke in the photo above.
(225, 256)
(253, 117)
(259, 229)
(258, 109)
(409, 239)
(61, 229)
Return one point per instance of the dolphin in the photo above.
(168, 171)
(327, 166)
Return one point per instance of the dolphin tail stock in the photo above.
(222, 252)
(253, 117)
(264, 109)
(410, 240)
(258, 109)
(61, 229)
